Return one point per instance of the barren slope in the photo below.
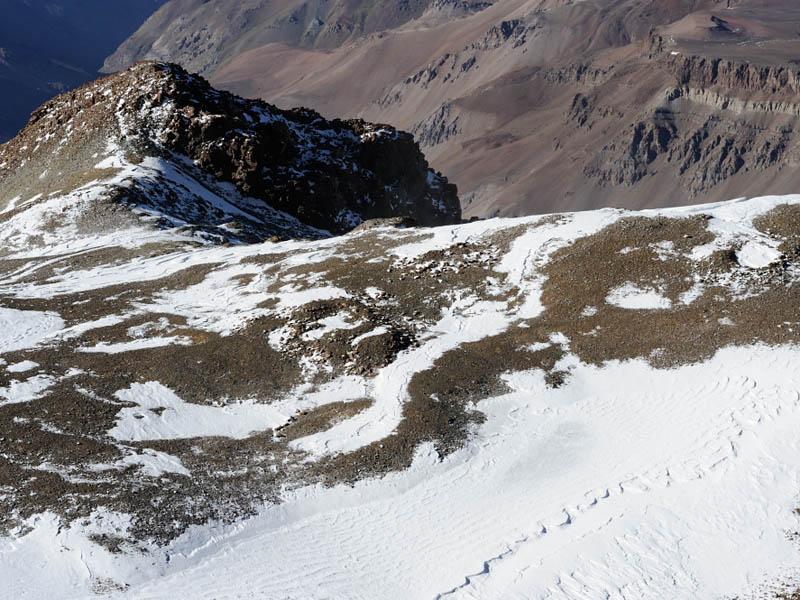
(532, 106)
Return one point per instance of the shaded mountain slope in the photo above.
(203, 34)
(47, 47)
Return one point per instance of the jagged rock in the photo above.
(328, 175)
(738, 78)
(438, 127)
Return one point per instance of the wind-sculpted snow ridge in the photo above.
(584, 405)
(184, 156)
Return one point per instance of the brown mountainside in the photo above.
(533, 105)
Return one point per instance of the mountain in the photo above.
(255, 352)
(590, 404)
(529, 105)
(155, 142)
(47, 47)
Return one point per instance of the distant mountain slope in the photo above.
(48, 46)
(204, 34)
(541, 105)
(165, 144)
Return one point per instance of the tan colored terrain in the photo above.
(532, 106)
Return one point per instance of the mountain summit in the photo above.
(164, 143)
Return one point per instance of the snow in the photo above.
(757, 256)
(538, 346)
(626, 482)
(23, 233)
(692, 294)
(289, 298)
(731, 221)
(136, 271)
(24, 391)
(548, 501)
(221, 303)
(466, 320)
(23, 329)
(21, 367)
(665, 250)
(152, 463)
(138, 344)
(327, 325)
(160, 414)
(10, 205)
(533, 249)
(380, 330)
(634, 297)
(550, 484)
(78, 330)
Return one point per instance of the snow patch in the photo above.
(755, 255)
(380, 330)
(138, 344)
(328, 324)
(161, 415)
(25, 391)
(633, 297)
(24, 329)
(21, 367)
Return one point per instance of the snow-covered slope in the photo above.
(585, 405)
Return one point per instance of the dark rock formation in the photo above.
(330, 175)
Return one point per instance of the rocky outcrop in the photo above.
(438, 127)
(330, 175)
(739, 78)
(513, 31)
(626, 160)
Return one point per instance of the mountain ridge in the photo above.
(207, 161)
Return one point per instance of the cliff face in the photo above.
(722, 118)
(776, 82)
(327, 175)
